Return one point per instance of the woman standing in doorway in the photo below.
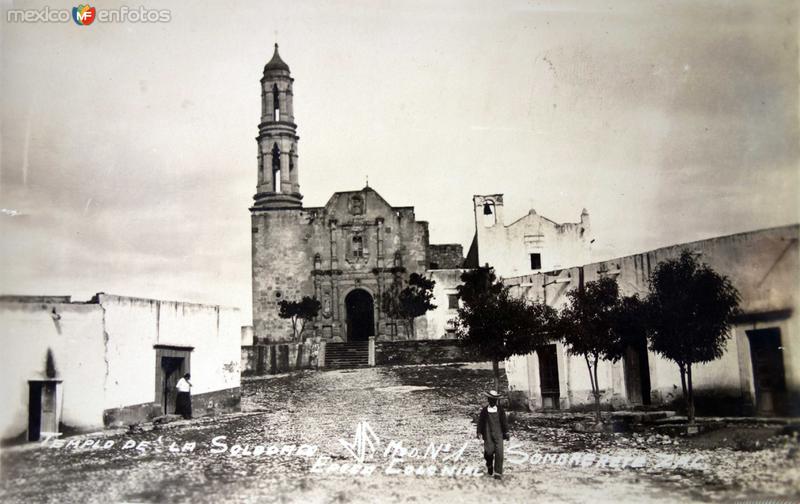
(183, 403)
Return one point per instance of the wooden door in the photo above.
(769, 378)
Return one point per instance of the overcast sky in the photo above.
(129, 160)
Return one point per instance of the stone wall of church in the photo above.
(281, 269)
(446, 256)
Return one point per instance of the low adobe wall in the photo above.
(276, 358)
(422, 352)
(206, 404)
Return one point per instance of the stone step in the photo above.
(348, 361)
(349, 355)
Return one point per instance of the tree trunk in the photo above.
(690, 397)
(496, 369)
(299, 361)
(683, 387)
(597, 393)
(593, 381)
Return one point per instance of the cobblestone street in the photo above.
(286, 446)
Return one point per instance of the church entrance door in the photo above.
(360, 315)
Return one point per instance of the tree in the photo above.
(409, 302)
(497, 325)
(300, 312)
(691, 309)
(629, 323)
(587, 327)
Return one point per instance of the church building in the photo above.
(347, 254)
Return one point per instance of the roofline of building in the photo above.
(787, 227)
(40, 299)
(532, 211)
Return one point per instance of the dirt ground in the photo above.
(351, 436)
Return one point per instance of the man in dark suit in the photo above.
(493, 429)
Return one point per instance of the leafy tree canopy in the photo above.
(411, 301)
(691, 308)
(300, 312)
(496, 324)
(629, 322)
(587, 323)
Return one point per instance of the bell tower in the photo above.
(278, 185)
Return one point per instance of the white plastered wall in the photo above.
(74, 334)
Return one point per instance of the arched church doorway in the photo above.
(360, 315)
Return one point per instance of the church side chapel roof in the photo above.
(533, 215)
(276, 63)
(331, 204)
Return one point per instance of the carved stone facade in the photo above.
(347, 254)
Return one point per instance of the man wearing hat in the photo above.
(493, 429)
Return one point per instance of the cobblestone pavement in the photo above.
(262, 457)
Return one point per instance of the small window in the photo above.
(452, 301)
(358, 246)
(536, 261)
(434, 265)
(276, 102)
(276, 168)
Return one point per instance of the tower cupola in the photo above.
(276, 63)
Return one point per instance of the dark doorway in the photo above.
(34, 411)
(548, 376)
(171, 364)
(769, 379)
(636, 367)
(42, 408)
(360, 315)
(171, 367)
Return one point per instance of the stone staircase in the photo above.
(347, 355)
